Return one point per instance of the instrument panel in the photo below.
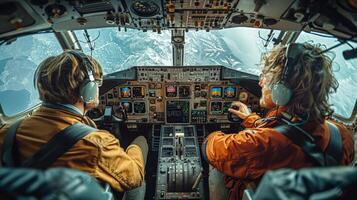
(176, 95)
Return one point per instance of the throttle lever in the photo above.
(197, 181)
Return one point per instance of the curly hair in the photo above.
(311, 80)
(58, 78)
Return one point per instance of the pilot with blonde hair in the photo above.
(68, 87)
(296, 82)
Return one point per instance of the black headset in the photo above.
(281, 91)
(88, 90)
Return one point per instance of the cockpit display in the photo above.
(171, 91)
(139, 107)
(178, 111)
(138, 92)
(184, 91)
(125, 92)
(152, 100)
(216, 92)
(226, 106)
(229, 92)
(216, 107)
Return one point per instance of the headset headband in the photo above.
(89, 89)
(84, 62)
(281, 92)
(292, 54)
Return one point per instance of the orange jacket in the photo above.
(99, 153)
(247, 155)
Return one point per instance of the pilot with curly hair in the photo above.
(296, 82)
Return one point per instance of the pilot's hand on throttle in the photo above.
(242, 112)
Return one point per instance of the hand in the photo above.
(242, 112)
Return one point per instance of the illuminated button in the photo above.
(152, 93)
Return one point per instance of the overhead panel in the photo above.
(13, 16)
(92, 6)
(192, 14)
(82, 14)
(147, 15)
(334, 17)
(267, 8)
(262, 14)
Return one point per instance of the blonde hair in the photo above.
(58, 78)
(311, 80)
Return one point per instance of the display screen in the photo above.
(125, 92)
(184, 91)
(226, 106)
(138, 92)
(171, 91)
(139, 107)
(216, 92)
(216, 108)
(229, 92)
(177, 111)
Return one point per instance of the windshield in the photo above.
(237, 48)
(18, 62)
(118, 50)
(345, 72)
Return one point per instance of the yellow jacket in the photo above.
(99, 153)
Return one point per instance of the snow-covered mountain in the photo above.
(238, 48)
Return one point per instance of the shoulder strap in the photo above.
(58, 145)
(298, 138)
(334, 151)
(8, 150)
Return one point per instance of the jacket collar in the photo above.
(68, 107)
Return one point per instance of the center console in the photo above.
(179, 174)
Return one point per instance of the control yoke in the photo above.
(232, 117)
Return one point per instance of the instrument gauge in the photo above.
(145, 8)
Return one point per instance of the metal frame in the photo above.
(178, 43)
(68, 40)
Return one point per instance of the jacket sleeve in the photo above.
(235, 154)
(250, 120)
(122, 169)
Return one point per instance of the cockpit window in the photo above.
(345, 71)
(238, 48)
(119, 50)
(18, 62)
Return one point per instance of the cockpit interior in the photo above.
(176, 106)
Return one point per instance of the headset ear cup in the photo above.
(280, 94)
(89, 91)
